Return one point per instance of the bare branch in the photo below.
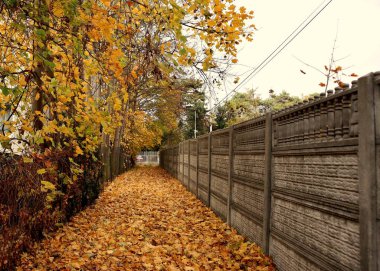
(311, 66)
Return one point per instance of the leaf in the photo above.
(41, 33)
(338, 68)
(41, 171)
(182, 51)
(322, 84)
(76, 265)
(27, 160)
(353, 75)
(183, 39)
(234, 60)
(47, 185)
(5, 90)
(78, 151)
(117, 104)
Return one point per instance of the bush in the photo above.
(28, 209)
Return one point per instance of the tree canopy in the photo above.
(247, 105)
(76, 74)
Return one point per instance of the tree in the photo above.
(241, 107)
(279, 101)
(247, 105)
(333, 73)
(92, 72)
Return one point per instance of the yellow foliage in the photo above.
(78, 151)
(47, 186)
(41, 171)
(81, 71)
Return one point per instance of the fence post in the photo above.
(197, 166)
(209, 171)
(267, 181)
(172, 161)
(230, 171)
(188, 164)
(368, 99)
(183, 163)
(178, 164)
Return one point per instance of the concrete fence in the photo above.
(303, 183)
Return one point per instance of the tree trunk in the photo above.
(40, 67)
(105, 154)
(115, 157)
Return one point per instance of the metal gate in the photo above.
(148, 158)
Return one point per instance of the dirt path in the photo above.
(145, 220)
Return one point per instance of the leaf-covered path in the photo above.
(145, 220)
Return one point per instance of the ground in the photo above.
(145, 220)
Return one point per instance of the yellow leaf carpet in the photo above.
(146, 220)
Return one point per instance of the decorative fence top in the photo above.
(325, 118)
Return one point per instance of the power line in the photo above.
(264, 62)
(279, 48)
(291, 39)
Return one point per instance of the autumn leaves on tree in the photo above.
(78, 74)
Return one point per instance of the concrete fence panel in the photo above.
(304, 182)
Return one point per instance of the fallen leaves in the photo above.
(146, 220)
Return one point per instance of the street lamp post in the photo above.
(210, 120)
(195, 123)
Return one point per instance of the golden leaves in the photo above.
(117, 104)
(220, 24)
(337, 69)
(41, 171)
(146, 220)
(78, 151)
(47, 186)
(336, 75)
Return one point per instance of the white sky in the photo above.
(358, 41)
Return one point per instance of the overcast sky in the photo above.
(358, 42)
